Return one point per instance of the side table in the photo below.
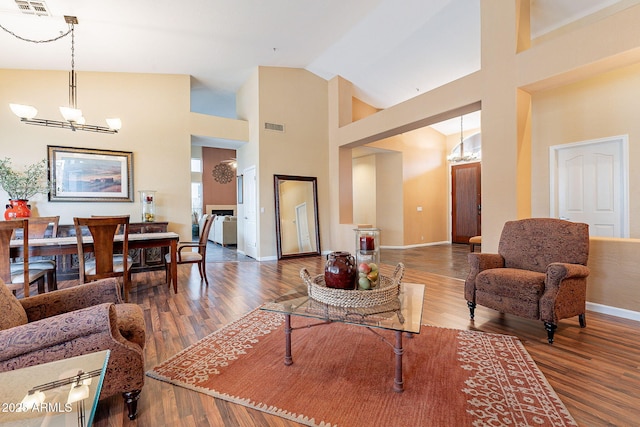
(60, 393)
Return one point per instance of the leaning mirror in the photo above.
(297, 228)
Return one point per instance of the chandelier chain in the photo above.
(37, 41)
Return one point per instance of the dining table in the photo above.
(53, 246)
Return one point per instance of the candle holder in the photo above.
(148, 200)
(368, 250)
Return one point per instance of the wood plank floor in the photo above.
(595, 371)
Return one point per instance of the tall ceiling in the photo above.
(391, 51)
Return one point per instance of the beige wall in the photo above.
(602, 106)
(155, 127)
(424, 186)
(515, 115)
(297, 99)
(364, 190)
(390, 200)
(518, 93)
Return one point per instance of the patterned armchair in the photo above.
(539, 272)
(74, 321)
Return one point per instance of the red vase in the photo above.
(340, 271)
(17, 209)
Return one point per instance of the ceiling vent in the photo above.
(28, 7)
(275, 127)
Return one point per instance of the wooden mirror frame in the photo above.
(279, 180)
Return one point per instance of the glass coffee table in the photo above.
(60, 393)
(402, 316)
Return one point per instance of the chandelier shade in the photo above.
(24, 111)
(73, 117)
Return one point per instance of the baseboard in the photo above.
(613, 311)
(418, 245)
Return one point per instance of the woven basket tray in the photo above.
(387, 290)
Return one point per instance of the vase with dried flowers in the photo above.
(22, 185)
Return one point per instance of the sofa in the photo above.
(224, 230)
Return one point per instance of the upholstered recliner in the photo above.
(539, 272)
(74, 321)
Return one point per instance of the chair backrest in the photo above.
(103, 230)
(204, 234)
(7, 229)
(38, 226)
(202, 221)
(534, 243)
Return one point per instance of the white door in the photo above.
(591, 185)
(250, 212)
(304, 238)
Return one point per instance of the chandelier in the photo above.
(462, 156)
(73, 118)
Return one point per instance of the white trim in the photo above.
(418, 245)
(613, 311)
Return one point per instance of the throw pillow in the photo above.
(13, 313)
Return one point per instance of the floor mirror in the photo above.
(297, 227)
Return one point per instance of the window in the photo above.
(468, 150)
(196, 165)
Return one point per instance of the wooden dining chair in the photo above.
(186, 254)
(22, 277)
(39, 229)
(105, 261)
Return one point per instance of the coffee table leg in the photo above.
(398, 383)
(288, 360)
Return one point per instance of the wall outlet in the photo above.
(419, 208)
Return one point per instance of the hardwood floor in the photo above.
(595, 371)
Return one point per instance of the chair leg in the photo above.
(167, 276)
(40, 283)
(551, 329)
(52, 283)
(472, 308)
(583, 321)
(200, 271)
(131, 399)
(203, 272)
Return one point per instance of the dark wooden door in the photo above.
(465, 202)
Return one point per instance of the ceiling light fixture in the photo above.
(462, 156)
(73, 118)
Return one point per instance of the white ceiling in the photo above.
(389, 52)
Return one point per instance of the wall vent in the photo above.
(28, 7)
(275, 127)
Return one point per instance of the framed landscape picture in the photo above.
(90, 175)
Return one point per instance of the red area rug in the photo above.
(342, 375)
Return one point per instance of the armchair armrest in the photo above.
(43, 334)
(564, 291)
(77, 297)
(185, 245)
(479, 262)
(557, 272)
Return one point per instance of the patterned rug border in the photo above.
(305, 420)
(302, 419)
